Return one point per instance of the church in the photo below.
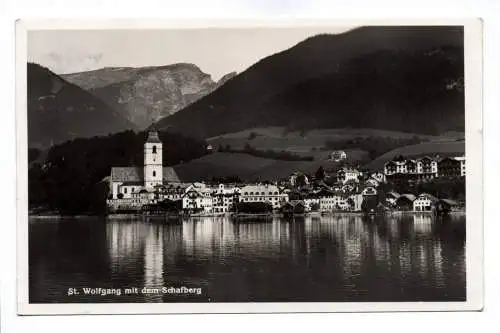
(132, 187)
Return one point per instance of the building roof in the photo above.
(295, 202)
(127, 174)
(449, 202)
(170, 175)
(364, 188)
(259, 188)
(348, 169)
(136, 174)
(429, 196)
(410, 197)
(153, 137)
(394, 194)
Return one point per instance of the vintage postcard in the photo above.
(249, 166)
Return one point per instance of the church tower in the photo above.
(153, 161)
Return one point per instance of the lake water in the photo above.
(335, 259)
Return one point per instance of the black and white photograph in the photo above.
(249, 168)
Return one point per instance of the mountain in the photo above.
(406, 79)
(144, 95)
(59, 111)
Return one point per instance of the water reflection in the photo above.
(328, 258)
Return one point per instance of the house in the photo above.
(378, 176)
(349, 187)
(293, 207)
(311, 202)
(263, 193)
(127, 182)
(173, 192)
(346, 174)
(396, 166)
(425, 202)
(410, 166)
(451, 167)
(197, 199)
(405, 202)
(427, 168)
(338, 155)
(423, 168)
(224, 198)
(446, 205)
(355, 201)
(461, 159)
(391, 198)
(330, 201)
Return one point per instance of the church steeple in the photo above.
(153, 160)
(153, 135)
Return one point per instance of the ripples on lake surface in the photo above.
(334, 259)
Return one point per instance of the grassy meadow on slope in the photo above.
(245, 167)
(318, 143)
(311, 143)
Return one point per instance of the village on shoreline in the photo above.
(156, 190)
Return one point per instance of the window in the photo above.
(154, 149)
(125, 190)
(154, 173)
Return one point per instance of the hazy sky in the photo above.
(215, 51)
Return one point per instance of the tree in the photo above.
(301, 180)
(320, 173)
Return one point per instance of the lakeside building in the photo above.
(452, 167)
(355, 200)
(425, 168)
(263, 193)
(225, 197)
(424, 202)
(330, 201)
(198, 199)
(172, 192)
(461, 159)
(405, 202)
(312, 202)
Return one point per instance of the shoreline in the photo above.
(240, 216)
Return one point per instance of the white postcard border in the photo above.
(474, 186)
